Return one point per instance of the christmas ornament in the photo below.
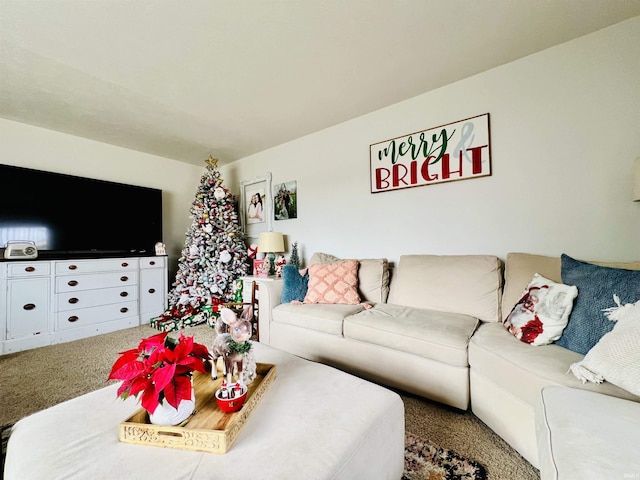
(219, 193)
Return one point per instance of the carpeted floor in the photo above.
(36, 379)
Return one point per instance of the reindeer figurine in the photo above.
(234, 346)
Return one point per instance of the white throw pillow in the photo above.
(616, 357)
(542, 312)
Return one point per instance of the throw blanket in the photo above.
(615, 358)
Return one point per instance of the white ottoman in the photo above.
(314, 422)
(586, 435)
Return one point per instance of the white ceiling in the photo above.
(183, 79)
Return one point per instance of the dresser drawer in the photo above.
(74, 283)
(82, 317)
(28, 269)
(152, 262)
(91, 298)
(92, 266)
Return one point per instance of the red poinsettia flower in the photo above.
(160, 368)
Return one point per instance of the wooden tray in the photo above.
(209, 429)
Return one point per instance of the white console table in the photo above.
(43, 302)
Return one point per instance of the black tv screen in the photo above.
(67, 215)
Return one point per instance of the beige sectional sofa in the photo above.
(436, 330)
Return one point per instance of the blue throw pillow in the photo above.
(596, 288)
(295, 285)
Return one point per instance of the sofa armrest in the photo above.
(269, 296)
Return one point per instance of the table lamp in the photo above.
(271, 243)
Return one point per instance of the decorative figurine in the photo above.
(237, 290)
(280, 262)
(160, 249)
(234, 347)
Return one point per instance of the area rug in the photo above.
(424, 460)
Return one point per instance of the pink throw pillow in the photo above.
(333, 283)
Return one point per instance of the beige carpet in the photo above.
(42, 377)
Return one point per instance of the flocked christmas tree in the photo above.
(213, 257)
(294, 259)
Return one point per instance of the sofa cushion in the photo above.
(440, 336)
(520, 267)
(542, 313)
(320, 317)
(323, 258)
(333, 283)
(465, 284)
(373, 279)
(597, 286)
(524, 370)
(518, 271)
(373, 276)
(295, 283)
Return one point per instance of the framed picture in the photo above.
(285, 200)
(256, 209)
(261, 268)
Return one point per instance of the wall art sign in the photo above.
(456, 151)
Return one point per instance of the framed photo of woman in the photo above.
(256, 205)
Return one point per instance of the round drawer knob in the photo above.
(152, 262)
(73, 267)
(124, 294)
(124, 264)
(73, 300)
(124, 279)
(152, 290)
(29, 306)
(72, 283)
(30, 269)
(72, 319)
(124, 310)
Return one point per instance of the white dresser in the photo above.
(43, 302)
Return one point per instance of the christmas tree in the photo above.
(294, 259)
(213, 257)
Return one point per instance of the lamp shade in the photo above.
(271, 242)
(636, 183)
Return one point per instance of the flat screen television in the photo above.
(69, 216)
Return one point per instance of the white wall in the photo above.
(42, 149)
(565, 130)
